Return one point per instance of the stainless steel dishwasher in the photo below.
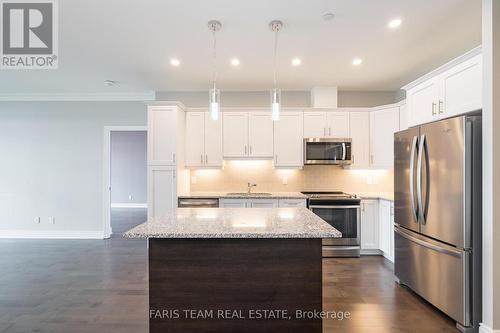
(198, 203)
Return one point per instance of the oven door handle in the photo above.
(334, 207)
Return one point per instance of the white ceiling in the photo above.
(132, 42)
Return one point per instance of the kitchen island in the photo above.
(235, 269)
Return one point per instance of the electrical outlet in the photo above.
(284, 180)
(194, 180)
(52, 219)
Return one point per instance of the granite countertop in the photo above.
(229, 195)
(236, 223)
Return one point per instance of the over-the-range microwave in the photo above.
(328, 151)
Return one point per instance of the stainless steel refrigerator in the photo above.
(437, 192)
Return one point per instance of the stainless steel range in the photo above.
(342, 211)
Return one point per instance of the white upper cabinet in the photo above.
(203, 140)
(383, 124)
(338, 124)
(325, 124)
(235, 134)
(461, 88)
(162, 135)
(288, 143)
(260, 134)
(248, 134)
(457, 89)
(360, 134)
(195, 138)
(213, 141)
(315, 125)
(423, 102)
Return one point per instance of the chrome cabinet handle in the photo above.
(201, 158)
(433, 108)
(250, 149)
(440, 107)
(329, 131)
(410, 178)
(206, 158)
(324, 131)
(371, 159)
(245, 149)
(275, 159)
(173, 157)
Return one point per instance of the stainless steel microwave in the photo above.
(328, 151)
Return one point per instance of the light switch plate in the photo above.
(284, 180)
(194, 180)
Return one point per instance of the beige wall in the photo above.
(236, 174)
(290, 98)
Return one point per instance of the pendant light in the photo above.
(214, 93)
(275, 26)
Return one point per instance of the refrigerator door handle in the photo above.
(419, 179)
(411, 180)
(441, 249)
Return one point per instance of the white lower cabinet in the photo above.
(292, 203)
(233, 203)
(377, 227)
(261, 203)
(162, 190)
(369, 225)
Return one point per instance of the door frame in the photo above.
(107, 231)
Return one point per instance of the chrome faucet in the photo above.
(250, 185)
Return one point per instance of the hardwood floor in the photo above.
(101, 286)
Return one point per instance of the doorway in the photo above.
(125, 179)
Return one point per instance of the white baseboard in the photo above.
(129, 205)
(53, 234)
(485, 329)
(369, 252)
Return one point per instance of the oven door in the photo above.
(345, 219)
(327, 151)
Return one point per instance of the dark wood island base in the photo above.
(235, 285)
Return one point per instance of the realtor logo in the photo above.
(29, 34)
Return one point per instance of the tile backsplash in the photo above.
(236, 175)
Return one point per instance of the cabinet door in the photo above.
(263, 203)
(235, 134)
(383, 124)
(162, 191)
(195, 141)
(288, 140)
(292, 202)
(360, 134)
(260, 134)
(369, 225)
(213, 141)
(338, 124)
(315, 125)
(422, 103)
(461, 88)
(162, 136)
(385, 227)
(233, 203)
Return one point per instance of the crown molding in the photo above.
(83, 97)
(450, 64)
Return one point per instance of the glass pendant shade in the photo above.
(275, 103)
(214, 103)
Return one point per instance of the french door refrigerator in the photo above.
(437, 237)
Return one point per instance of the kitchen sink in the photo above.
(246, 194)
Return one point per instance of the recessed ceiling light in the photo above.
(175, 62)
(328, 16)
(395, 23)
(296, 61)
(235, 62)
(357, 61)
